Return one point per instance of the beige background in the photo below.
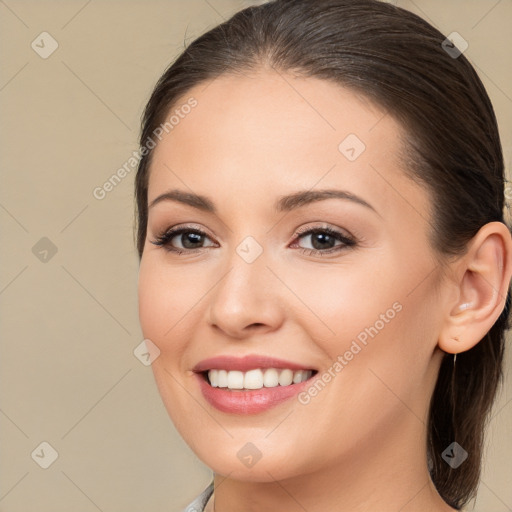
(70, 324)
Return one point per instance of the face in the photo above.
(266, 285)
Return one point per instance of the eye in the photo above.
(191, 240)
(323, 240)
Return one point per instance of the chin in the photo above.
(246, 462)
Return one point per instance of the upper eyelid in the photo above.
(309, 229)
(188, 227)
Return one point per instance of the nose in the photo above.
(248, 299)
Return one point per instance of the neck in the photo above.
(387, 473)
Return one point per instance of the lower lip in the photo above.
(248, 401)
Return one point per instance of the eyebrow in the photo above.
(283, 203)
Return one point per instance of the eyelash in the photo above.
(164, 239)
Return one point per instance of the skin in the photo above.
(359, 445)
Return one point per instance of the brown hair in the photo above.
(398, 61)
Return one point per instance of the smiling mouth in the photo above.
(258, 378)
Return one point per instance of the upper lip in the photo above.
(246, 363)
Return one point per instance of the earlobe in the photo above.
(484, 278)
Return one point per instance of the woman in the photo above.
(324, 263)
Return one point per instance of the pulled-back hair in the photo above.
(398, 61)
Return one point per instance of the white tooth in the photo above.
(235, 380)
(222, 378)
(257, 378)
(271, 378)
(298, 376)
(212, 375)
(285, 377)
(253, 379)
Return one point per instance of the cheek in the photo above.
(376, 318)
(338, 301)
(387, 351)
(165, 309)
(151, 292)
(167, 299)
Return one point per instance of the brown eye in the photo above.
(323, 241)
(191, 240)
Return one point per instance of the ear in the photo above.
(482, 281)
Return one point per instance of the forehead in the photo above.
(269, 133)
